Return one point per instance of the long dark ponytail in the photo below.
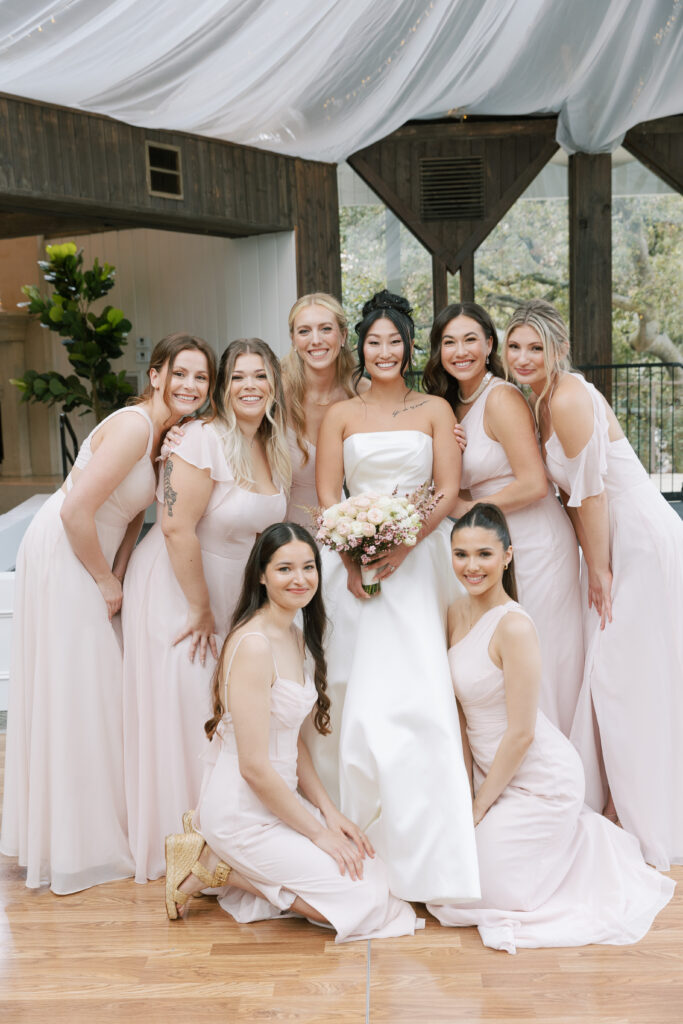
(490, 517)
(252, 598)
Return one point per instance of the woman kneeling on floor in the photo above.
(267, 834)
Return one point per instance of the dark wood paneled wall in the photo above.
(63, 170)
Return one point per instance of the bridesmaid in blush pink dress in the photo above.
(629, 719)
(285, 846)
(222, 485)
(64, 813)
(502, 464)
(553, 872)
(316, 372)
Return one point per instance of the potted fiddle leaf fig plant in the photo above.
(92, 340)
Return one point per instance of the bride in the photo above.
(394, 758)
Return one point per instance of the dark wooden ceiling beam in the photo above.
(659, 146)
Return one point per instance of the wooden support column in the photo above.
(318, 259)
(439, 284)
(467, 279)
(590, 263)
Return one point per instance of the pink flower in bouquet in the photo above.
(375, 515)
(368, 530)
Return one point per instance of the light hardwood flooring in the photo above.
(110, 955)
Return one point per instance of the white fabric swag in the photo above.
(323, 78)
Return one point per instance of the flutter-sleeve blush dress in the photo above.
(167, 697)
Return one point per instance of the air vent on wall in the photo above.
(164, 175)
(452, 188)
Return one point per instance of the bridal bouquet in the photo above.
(369, 524)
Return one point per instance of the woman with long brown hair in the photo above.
(502, 464)
(263, 810)
(64, 812)
(222, 484)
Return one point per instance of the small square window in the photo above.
(164, 174)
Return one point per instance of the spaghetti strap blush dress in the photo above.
(553, 872)
(64, 812)
(279, 861)
(546, 565)
(629, 719)
(166, 697)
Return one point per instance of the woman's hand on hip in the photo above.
(201, 628)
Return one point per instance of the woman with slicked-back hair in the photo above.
(222, 484)
(553, 872)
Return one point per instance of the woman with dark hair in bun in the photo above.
(395, 755)
(502, 464)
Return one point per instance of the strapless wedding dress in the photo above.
(394, 759)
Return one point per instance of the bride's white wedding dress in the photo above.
(394, 759)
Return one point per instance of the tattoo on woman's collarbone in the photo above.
(169, 494)
(408, 408)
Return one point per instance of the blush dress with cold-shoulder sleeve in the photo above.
(64, 812)
(553, 872)
(546, 565)
(394, 758)
(629, 719)
(167, 698)
(279, 861)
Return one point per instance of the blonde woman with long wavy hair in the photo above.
(316, 373)
(223, 483)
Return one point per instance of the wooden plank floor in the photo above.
(109, 955)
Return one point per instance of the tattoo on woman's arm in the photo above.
(169, 494)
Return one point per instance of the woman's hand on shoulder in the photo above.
(460, 435)
(573, 418)
(172, 439)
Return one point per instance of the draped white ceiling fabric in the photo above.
(323, 78)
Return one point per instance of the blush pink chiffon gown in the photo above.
(280, 862)
(64, 812)
(553, 872)
(166, 697)
(546, 565)
(629, 719)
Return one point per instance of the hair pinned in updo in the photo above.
(385, 305)
(489, 517)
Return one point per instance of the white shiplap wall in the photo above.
(217, 288)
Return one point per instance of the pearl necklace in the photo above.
(484, 381)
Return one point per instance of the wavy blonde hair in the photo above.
(552, 332)
(272, 429)
(293, 373)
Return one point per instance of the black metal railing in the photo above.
(648, 401)
(68, 444)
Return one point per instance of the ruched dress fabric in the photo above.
(279, 861)
(167, 698)
(64, 812)
(302, 494)
(630, 709)
(546, 565)
(395, 755)
(553, 872)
